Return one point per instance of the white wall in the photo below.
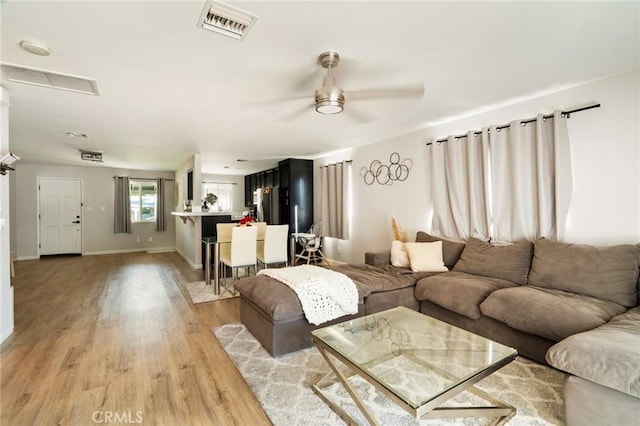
(6, 290)
(605, 207)
(188, 234)
(97, 212)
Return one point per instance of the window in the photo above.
(224, 192)
(144, 200)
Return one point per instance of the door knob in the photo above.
(76, 221)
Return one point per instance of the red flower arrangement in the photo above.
(246, 221)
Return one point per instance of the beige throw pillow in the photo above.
(399, 255)
(426, 257)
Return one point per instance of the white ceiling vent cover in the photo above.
(54, 80)
(227, 20)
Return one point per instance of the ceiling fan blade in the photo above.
(298, 112)
(355, 114)
(415, 90)
(274, 101)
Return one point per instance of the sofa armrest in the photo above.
(378, 258)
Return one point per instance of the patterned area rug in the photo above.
(283, 387)
(200, 292)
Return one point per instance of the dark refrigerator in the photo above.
(268, 205)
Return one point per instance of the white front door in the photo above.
(60, 221)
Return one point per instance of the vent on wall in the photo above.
(54, 80)
(227, 20)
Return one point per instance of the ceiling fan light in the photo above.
(329, 102)
(329, 108)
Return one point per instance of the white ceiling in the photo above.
(169, 89)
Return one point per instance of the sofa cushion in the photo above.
(458, 291)
(276, 299)
(450, 249)
(380, 278)
(609, 273)
(549, 313)
(426, 257)
(509, 262)
(608, 355)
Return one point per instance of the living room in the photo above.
(605, 201)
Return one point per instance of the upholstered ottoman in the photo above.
(272, 312)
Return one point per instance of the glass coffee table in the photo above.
(417, 361)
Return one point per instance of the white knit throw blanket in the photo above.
(324, 294)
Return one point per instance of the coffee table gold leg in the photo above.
(348, 388)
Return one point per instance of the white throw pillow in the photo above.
(399, 255)
(426, 257)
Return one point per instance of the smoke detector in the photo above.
(226, 20)
(77, 135)
(35, 48)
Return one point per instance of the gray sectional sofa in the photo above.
(572, 306)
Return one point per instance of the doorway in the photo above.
(60, 207)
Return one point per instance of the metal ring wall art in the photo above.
(387, 174)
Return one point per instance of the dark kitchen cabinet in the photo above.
(248, 192)
(294, 179)
(257, 180)
(296, 193)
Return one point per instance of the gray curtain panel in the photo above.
(508, 184)
(122, 206)
(334, 200)
(160, 212)
(460, 176)
(531, 179)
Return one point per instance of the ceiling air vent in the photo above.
(227, 20)
(95, 156)
(54, 80)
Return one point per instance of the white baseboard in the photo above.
(5, 334)
(27, 258)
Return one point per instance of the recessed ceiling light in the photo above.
(35, 48)
(77, 135)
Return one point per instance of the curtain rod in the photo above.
(339, 162)
(566, 114)
(139, 178)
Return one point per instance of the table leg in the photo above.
(345, 383)
(207, 266)
(216, 269)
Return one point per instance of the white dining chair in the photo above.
(242, 253)
(274, 248)
(223, 237)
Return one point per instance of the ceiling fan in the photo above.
(331, 99)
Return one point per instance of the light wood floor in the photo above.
(118, 333)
